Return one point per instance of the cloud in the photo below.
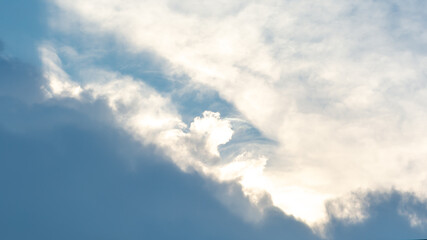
(217, 132)
(80, 177)
(67, 173)
(339, 86)
(385, 220)
(59, 82)
(152, 119)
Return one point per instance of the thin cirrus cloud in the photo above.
(338, 86)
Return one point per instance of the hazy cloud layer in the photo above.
(340, 86)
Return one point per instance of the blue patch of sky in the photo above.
(23, 25)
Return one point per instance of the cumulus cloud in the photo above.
(340, 86)
(215, 131)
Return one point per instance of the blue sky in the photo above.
(213, 120)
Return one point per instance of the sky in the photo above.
(128, 119)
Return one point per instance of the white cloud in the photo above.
(339, 85)
(58, 81)
(215, 131)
